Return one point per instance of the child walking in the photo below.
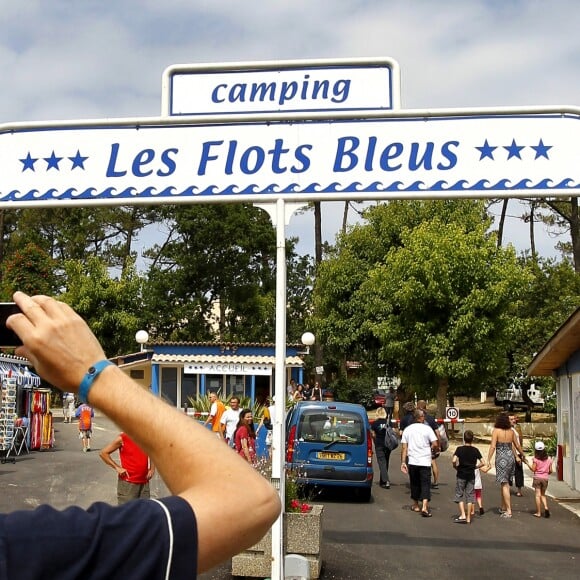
(478, 490)
(466, 460)
(542, 468)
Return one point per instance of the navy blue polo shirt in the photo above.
(138, 540)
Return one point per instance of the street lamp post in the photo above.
(142, 336)
(308, 339)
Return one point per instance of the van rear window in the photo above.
(331, 425)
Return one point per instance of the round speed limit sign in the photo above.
(451, 413)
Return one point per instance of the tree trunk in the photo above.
(442, 386)
(502, 222)
(532, 232)
(129, 234)
(345, 216)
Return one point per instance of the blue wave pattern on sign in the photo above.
(273, 188)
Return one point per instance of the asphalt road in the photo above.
(379, 540)
(384, 539)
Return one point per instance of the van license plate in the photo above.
(331, 456)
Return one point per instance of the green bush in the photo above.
(354, 390)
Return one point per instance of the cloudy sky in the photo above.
(66, 59)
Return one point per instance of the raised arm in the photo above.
(194, 464)
(492, 446)
(109, 449)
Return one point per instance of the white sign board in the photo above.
(154, 160)
(227, 369)
(451, 413)
(281, 86)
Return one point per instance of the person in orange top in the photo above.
(135, 469)
(85, 414)
(215, 414)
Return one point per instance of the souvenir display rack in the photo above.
(7, 415)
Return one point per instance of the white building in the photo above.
(560, 357)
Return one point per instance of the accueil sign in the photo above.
(227, 369)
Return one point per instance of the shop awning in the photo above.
(293, 361)
(23, 375)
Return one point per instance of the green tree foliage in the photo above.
(29, 269)
(552, 296)
(300, 279)
(215, 276)
(112, 307)
(423, 289)
(74, 233)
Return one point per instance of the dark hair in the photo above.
(503, 422)
(542, 455)
(241, 422)
(468, 436)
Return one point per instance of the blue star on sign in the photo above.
(52, 161)
(78, 160)
(513, 149)
(486, 150)
(541, 149)
(28, 162)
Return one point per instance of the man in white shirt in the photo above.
(229, 420)
(418, 442)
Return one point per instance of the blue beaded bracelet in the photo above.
(90, 377)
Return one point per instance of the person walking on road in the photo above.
(429, 420)
(173, 537)
(504, 445)
(519, 467)
(382, 452)
(216, 411)
(418, 444)
(68, 407)
(245, 436)
(466, 460)
(267, 421)
(85, 414)
(542, 468)
(229, 420)
(390, 404)
(408, 417)
(134, 469)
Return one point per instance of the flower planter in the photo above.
(302, 535)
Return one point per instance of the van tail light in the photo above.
(369, 448)
(290, 445)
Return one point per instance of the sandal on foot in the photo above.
(426, 514)
(505, 515)
(416, 509)
(537, 515)
(460, 520)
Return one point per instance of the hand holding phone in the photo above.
(8, 338)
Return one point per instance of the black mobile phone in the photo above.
(8, 338)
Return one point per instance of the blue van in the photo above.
(329, 444)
